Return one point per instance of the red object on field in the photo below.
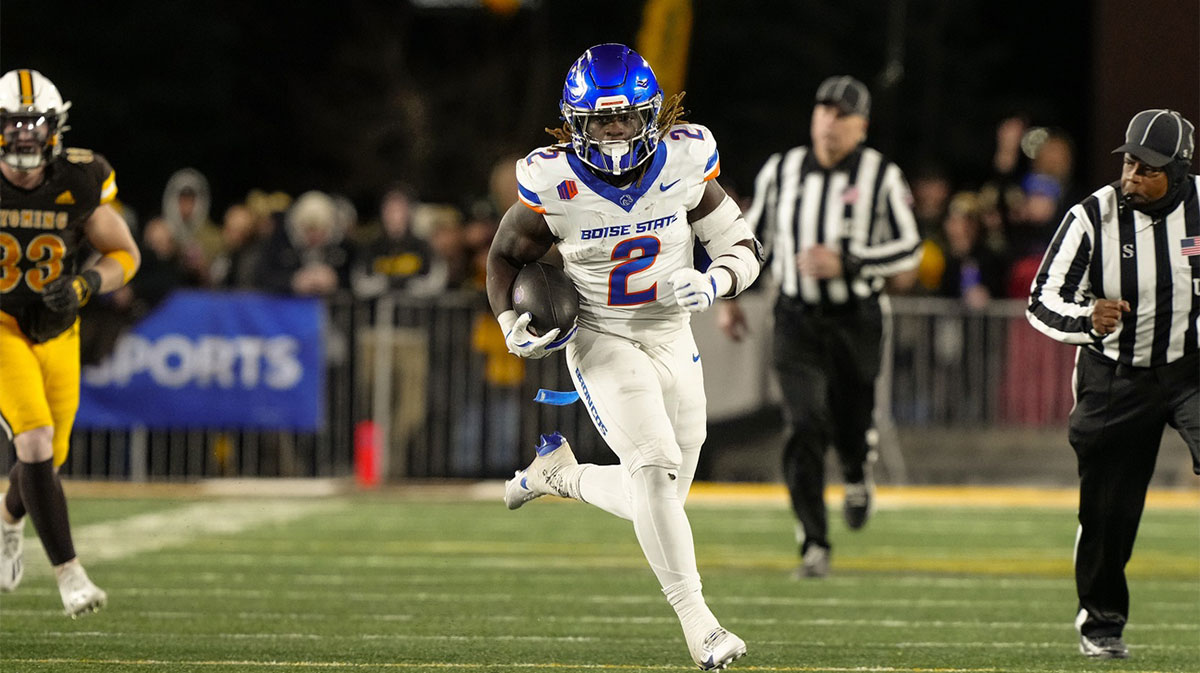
(366, 454)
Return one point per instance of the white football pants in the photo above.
(648, 403)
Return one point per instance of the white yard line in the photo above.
(113, 636)
(626, 619)
(1186, 603)
(123, 538)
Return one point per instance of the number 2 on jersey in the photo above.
(46, 251)
(618, 279)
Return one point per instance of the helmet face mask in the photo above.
(32, 119)
(611, 102)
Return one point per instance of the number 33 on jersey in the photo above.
(619, 246)
(41, 229)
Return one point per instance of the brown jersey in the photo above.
(42, 234)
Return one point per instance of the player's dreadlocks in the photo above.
(669, 115)
(672, 111)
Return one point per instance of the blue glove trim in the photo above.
(563, 339)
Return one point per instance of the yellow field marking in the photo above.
(935, 496)
(721, 493)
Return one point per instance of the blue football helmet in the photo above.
(612, 83)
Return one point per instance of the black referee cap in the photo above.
(1158, 137)
(847, 93)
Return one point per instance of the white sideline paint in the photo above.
(122, 538)
(1186, 602)
(57, 636)
(619, 620)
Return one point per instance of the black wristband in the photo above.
(90, 282)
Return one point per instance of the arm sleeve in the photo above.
(1060, 303)
(893, 242)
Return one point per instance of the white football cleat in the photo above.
(79, 595)
(12, 552)
(516, 492)
(718, 649)
(544, 475)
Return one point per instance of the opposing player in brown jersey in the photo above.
(55, 209)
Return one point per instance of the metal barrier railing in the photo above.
(431, 380)
(958, 366)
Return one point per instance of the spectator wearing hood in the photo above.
(185, 206)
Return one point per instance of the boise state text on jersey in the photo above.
(619, 246)
(626, 229)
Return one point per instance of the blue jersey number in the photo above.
(552, 154)
(694, 135)
(618, 280)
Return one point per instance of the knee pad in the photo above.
(655, 453)
(658, 482)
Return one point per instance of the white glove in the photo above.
(694, 291)
(524, 344)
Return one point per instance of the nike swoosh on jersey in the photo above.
(696, 357)
(664, 188)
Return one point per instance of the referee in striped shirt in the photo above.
(837, 219)
(1122, 280)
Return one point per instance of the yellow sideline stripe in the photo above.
(939, 496)
(723, 493)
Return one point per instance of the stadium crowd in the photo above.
(982, 237)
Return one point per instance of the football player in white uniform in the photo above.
(623, 195)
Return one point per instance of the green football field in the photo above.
(393, 582)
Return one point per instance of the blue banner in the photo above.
(213, 360)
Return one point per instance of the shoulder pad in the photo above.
(94, 168)
(694, 144)
(539, 171)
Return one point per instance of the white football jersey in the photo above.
(619, 246)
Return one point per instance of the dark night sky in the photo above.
(349, 96)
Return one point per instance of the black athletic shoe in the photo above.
(856, 508)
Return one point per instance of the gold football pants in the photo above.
(39, 383)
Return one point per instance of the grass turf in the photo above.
(379, 583)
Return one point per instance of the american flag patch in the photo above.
(1190, 246)
(567, 190)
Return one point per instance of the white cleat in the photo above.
(79, 595)
(12, 554)
(516, 492)
(544, 474)
(719, 649)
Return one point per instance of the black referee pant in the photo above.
(827, 361)
(1116, 428)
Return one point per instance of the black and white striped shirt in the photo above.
(861, 207)
(1105, 251)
